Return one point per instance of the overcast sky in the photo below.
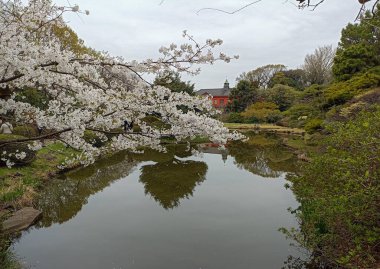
(271, 31)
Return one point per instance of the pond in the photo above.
(215, 209)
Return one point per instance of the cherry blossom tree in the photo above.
(97, 93)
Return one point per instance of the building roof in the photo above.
(215, 92)
(225, 91)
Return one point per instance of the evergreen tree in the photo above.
(243, 95)
(172, 80)
(359, 47)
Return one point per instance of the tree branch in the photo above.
(227, 12)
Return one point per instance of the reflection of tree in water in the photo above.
(263, 156)
(172, 151)
(63, 199)
(169, 182)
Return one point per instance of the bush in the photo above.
(283, 96)
(340, 92)
(26, 130)
(301, 110)
(339, 193)
(235, 118)
(313, 125)
(262, 112)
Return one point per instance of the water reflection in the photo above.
(64, 198)
(263, 155)
(231, 222)
(169, 182)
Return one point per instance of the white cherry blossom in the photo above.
(97, 93)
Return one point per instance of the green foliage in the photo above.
(243, 95)
(313, 125)
(36, 98)
(359, 47)
(10, 137)
(298, 114)
(283, 96)
(295, 78)
(69, 40)
(262, 112)
(339, 194)
(172, 81)
(311, 93)
(262, 76)
(340, 92)
(235, 117)
(26, 130)
(279, 78)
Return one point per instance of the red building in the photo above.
(220, 97)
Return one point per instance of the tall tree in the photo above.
(261, 76)
(294, 78)
(172, 80)
(282, 95)
(243, 95)
(359, 46)
(318, 66)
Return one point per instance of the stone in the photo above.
(21, 219)
(3, 213)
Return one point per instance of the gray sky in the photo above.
(269, 32)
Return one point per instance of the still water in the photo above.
(218, 209)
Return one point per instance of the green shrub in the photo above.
(339, 193)
(340, 92)
(313, 125)
(283, 96)
(235, 118)
(26, 130)
(262, 112)
(301, 110)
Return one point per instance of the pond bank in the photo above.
(270, 128)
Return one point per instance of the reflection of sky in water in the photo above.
(229, 220)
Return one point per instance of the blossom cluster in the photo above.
(97, 93)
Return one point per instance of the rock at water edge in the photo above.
(21, 219)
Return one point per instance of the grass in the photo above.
(19, 185)
(264, 127)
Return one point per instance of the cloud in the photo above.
(271, 31)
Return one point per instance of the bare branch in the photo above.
(228, 12)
